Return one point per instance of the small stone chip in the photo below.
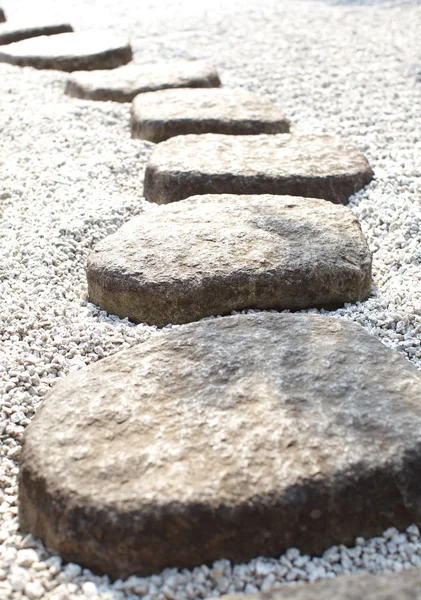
(315, 166)
(69, 51)
(10, 33)
(218, 439)
(124, 83)
(157, 116)
(210, 255)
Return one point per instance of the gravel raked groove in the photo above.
(124, 83)
(313, 166)
(69, 51)
(157, 116)
(14, 32)
(70, 175)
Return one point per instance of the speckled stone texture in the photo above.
(210, 255)
(2, 16)
(396, 586)
(69, 52)
(315, 166)
(124, 83)
(233, 437)
(160, 115)
(15, 32)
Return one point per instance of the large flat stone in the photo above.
(160, 115)
(316, 166)
(2, 16)
(209, 255)
(14, 32)
(69, 52)
(124, 83)
(395, 586)
(233, 437)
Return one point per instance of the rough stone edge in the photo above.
(157, 131)
(108, 59)
(164, 187)
(28, 33)
(368, 586)
(394, 493)
(75, 90)
(2, 16)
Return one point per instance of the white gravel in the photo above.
(70, 175)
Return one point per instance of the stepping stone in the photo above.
(10, 33)
(124, 83)
(233, 437)
(315, 166)
(2, 16)
(158, 116)
(69, 52)
(359, 586)
(210, 255)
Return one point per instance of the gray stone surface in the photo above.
(316, 166)
(69, 51)
(15, 32)
(233, 437)
(210, 255)
(160, 115)
(2, 16)
(124, 83)
(396, 586)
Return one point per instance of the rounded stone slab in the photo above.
(14, 32)
(361, 586)
(69, 51)
(210, 255)
(316, 166)
(124, 83)
(234, 437)
(157, 116)
(2, 16)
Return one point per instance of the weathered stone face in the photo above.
(10, 33)
(210, 255)
(234, 437)
(69, 52)
(160, 115)
(396, 586)
(2, 16)
(315, 166)
(124, 83)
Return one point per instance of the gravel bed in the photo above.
(70, 174)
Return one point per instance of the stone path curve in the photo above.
(365, 406)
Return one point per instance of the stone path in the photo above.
(13, 32)
(158, 116)
(397, 586)
(2, 16)
(209, 255)
(231, 438)
(124, 83)
(69, 52)
(316, 166)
